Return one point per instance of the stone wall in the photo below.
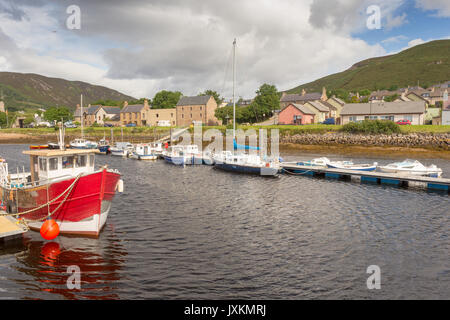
(414, 140)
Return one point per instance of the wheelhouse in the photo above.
(53, 164)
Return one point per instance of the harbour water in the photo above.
(200, 233)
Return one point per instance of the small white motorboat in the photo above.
(122, 149)
(318, 162)
(143, 152)
(83, 144)
(347, 166)
(181, 154)
(412, 167)
(246, 163)
(206, 157)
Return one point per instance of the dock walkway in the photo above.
(441, 184)
(9, 229)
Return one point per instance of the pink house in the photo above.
(296, 114)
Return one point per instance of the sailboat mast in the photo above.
(234, 83)
(82, 132)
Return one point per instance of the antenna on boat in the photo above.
(62, 130)
(82, 116)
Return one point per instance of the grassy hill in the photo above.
(26, 90)
(428, 63)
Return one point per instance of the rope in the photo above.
(48, 203)
(296, 173)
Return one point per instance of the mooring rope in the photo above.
(296, 173)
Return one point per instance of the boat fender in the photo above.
(267, 164)
(120, 186)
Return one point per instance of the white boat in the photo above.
(122, 149)
(181, 154)
(157, 148)
(83, 144)
(143, 151)
(347, 166)
(240, 161)
(317, 162)
(412, 167)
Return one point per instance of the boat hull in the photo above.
(85, 210)
(435, 174)
(179, 161)
(355, 168)
(264, 171)
(144, 156)
(104, 149)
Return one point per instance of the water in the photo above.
(200, 233)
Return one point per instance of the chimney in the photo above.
(283, 94)
(303, 92)
(146, 103)
(324, 94)
(432, 89)
(125, 103)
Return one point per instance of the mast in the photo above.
(82, 116)
(234, 81)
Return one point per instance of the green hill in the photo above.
(26, 90)
(428, 63)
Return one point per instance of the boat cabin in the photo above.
(183, 149)
(52, 164)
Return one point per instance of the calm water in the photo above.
(199, 233)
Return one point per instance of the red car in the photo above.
(403, 122)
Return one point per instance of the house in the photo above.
(90, 115)
(295, 113)
(321, 111)
(287, 99)
(413, 111)
(198, 109)
(338, 104)
(159, 116)
(446, 110)
(135, 114)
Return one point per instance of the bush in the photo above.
(372, 127)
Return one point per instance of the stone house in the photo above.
(159, 116)
(413, 111)
(137, 114)
(199, 109)
(296, 114)
(302, 98)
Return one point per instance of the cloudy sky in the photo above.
(141, 47)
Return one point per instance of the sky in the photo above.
(142, 47)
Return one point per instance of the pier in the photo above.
(393, 179)
(9, 228)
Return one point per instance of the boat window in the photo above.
(43, 164)
(53, 164)
(81, 161)
(91, 160)
(67, 162)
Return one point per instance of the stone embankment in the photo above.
(412, 140)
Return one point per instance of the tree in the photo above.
(364, 92)
(213, 93)
(140, 101)
(112, 103)
(391, 98)
(58, 113)
(166, 99)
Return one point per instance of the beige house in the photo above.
(198, 109)
(135, 114)
(162, 117)
(320, 110)
(339, 105)
(287, 99)
(413, 111)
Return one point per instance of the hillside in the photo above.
(24, 90)
(428, 63)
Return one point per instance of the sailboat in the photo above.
(240, 161)
(82, 143)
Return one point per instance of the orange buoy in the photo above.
(49, 229)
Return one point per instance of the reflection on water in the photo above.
(200, 233)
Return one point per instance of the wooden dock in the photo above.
(393, 179)
(9, 228)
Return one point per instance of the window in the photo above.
(200, 108)
(53, 164)
(200, 114)
(352, 119)
(91, 160)
(43, 164)
(191, 115)
(171, 115)
(80, 161)
(409, 117)
(67, 162)
(157, 115)
(191, 108)
(182, 116)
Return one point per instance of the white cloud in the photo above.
(441, 7)
(415, 42)
(139, 49)
(394, 39)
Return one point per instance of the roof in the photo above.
(319, 106)
(338, 100)
(299, 97)
(191, 101)
(89, 110)
(55, 153)
(401, 107)
(132, 108)
(111, 110)
(303, 109)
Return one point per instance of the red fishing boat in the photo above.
(63, 185)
